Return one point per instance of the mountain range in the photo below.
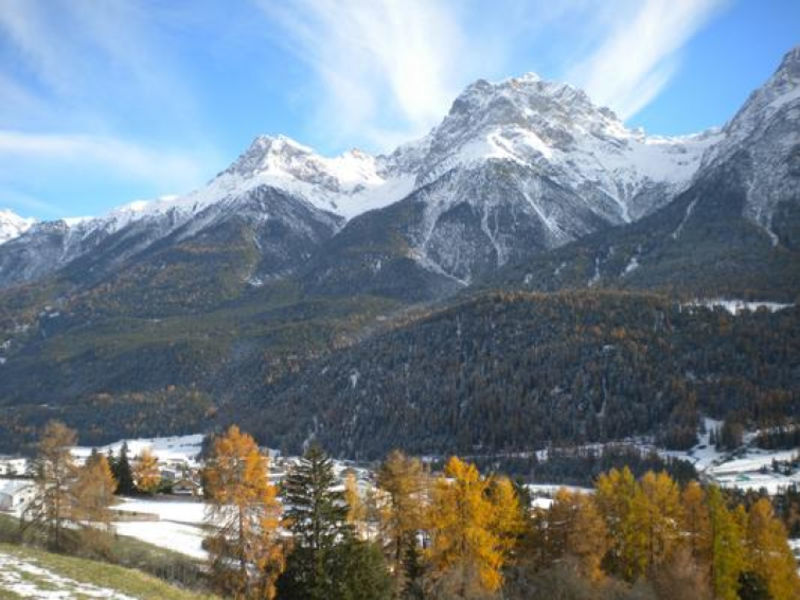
(176, 313)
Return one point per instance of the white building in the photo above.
(16, 493)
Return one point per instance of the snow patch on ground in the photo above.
(735, 306)
(632, 265)
(185, 539)
(184, 448)
(28, 580)
(180, 511)
(178, 528)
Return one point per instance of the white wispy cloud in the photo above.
(639, 53)
(85, 55)
(387, 68)
(171, 169)
(108, 83)
(93, 88)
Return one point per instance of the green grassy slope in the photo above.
(73, 573)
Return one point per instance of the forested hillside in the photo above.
(512, 371)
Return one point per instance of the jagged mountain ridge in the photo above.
(735, 230)
(549, 134)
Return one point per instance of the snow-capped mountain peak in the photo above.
(12, 225)
(766, 133)
(555, 130)
(281, 156)
(781, 90)
(346, 185)
(519, 154)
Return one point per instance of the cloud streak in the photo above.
(640, 53)
(123, 85)
(388, 70)
(381, 64)
(93, 88)
(173, 170)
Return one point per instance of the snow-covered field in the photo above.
(26, 579)
(753, 471)
(185, 539)
(179, 527)
(736, 306)
(181, 511)
(183, 448)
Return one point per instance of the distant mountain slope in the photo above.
(701, 245)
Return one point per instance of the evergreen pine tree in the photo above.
(327, 560)
(753, 587)
(413, 571)
(121, 469)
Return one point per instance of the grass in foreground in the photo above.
(103, 575)
(122, 551)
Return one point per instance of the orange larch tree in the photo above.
(246, 553)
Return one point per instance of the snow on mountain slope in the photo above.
(346, 185)
(12, 225)
(767, 129)
(555, 130)
(569, 166)
(526, 165)
(524, 119)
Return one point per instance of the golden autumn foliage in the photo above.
(356, 506)
(246, 554)
(692, 537)
(573, 527)
(460, 535)
(404, 484)
(695, 522)
(507, 516)
(657, 512)
(615, 493)
(468, 548)
(146, 474)
(769, 554)
(727, 546)
(54, 470)
(93, 492)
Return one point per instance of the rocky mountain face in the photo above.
(735, 230)
(514, 168)
(767, 130)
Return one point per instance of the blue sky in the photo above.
(103, 103)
